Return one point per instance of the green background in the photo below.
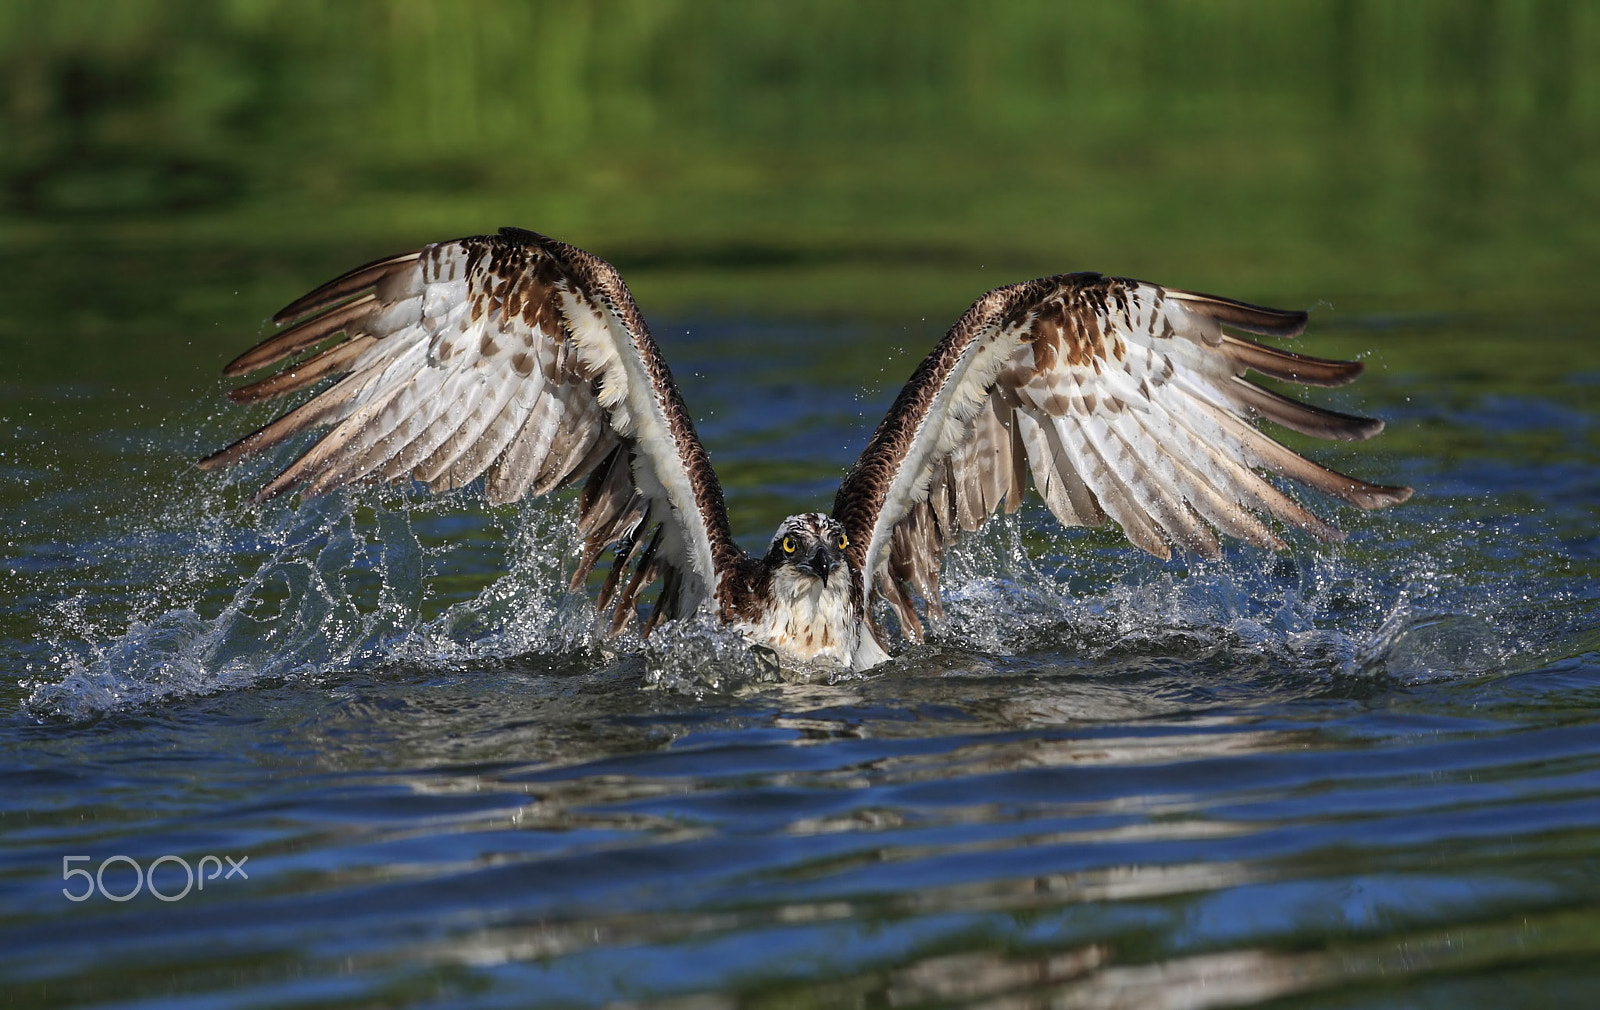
(171, 167)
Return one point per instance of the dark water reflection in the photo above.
(915, 835)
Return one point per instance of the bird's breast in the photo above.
(804, 620)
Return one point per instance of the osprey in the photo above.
(524, 360)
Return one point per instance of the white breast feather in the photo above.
(806, 620)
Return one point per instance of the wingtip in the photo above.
(1245, 315)
(240, 365)
(279, 485)
(1293, 325)
(1387, 495)
(226, 456)
(344, 286)
(1289, 366)
(1317, 527)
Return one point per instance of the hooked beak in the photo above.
(823, 561)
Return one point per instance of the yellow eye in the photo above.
(844, 541)
(788, 546)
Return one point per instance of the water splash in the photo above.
(527, 610)
(1417, 645)
(216, 595)
(235, 596)
(700, 655)
(1425, 608)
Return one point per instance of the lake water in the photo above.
(1355, 775)
(1367, 773)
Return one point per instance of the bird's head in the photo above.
(812, 543)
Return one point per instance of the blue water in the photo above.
(1355, 775)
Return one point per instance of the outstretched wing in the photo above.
(1123, 399)
(514, 357)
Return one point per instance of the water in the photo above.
(1362, 774)
(1354, 775)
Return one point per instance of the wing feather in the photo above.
(1318, 422)
(529, 446)
(1055, 473)
(576, 436)
(466, 453)
(302, 335)
(1121, 400)
(1200, 478)
(1290, 367)
(292, 380)
(348, 284)
(512, 356)
(1110, 486)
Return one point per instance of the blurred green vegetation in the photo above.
(167, 166)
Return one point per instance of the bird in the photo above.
(524, 361)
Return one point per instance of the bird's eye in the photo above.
(788, 546)
(844, 541)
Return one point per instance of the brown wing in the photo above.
(1123, 400)
(516, 358)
